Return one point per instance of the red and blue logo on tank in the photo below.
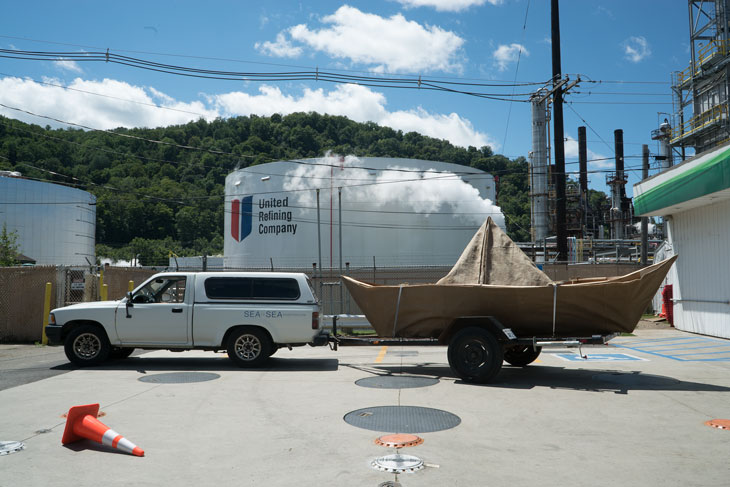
(241, 217)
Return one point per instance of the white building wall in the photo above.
(701, 275)
(55, 224)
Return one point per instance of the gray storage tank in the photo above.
(55, 224)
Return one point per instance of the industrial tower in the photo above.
(700, 92)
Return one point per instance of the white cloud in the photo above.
(281, 48)
(506, 54)
(358, 103)
(114, 109)
(392, 44)
(447, 5)
(103, 112)
(636, 49)
(71, 66)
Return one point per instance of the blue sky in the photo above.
(627, 48)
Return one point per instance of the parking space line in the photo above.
(677, 348)
(693, 348)
(381, 355)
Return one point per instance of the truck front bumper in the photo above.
(53, 332)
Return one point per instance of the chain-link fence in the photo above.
(22, 289)
(22, 292)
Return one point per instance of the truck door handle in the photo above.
(177, 310)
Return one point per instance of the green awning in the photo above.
(707, 177)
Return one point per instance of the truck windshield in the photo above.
(162, 290)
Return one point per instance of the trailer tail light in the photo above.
(315, 320)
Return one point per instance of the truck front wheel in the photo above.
(475, 355)
(249, 347)
(87, 345)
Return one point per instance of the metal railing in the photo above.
(700, 122)
(708, 52)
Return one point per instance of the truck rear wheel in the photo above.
(521, 356)
(249, 347)
(475, 355)
(87, 345)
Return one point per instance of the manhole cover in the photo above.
(399, 440)
(8, 447)
(723, 424)
(402, 419)
(397, 463)
(179, 377)
(636, 380)
(396, 382)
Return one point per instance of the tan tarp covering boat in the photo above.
(493, 277)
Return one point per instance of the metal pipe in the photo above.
(701, 301)
(319, 236)
(339, 209)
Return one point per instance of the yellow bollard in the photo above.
(104, 292)
(46, 312)
(130, 287)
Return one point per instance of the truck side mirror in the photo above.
(129, 303)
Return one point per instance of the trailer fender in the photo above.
(489, 323)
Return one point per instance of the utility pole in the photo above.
(560, 210)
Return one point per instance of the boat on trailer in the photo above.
(498, 294)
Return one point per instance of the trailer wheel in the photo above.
(521, 356)
(475, 355)
(249, 347)
(87, 345)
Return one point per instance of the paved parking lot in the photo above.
(631, 414)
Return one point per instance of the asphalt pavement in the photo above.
(632, 413)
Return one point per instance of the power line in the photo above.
(402, 82)
(517, 70)
(463, 81)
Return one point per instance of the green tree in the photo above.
(8, 247)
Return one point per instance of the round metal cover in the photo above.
(400, 440)
(397, 463)
(8, 447)
(179, 377)
(396, 382)
(723, 424)
(402, 419)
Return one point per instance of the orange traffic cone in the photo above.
(81, 423)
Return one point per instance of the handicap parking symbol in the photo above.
(599, 357)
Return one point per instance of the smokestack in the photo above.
(583, 168)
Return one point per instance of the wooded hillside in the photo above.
(161, 190)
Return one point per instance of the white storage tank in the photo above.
(55, 224)
(394, 212)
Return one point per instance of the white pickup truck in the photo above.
(249, 314)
